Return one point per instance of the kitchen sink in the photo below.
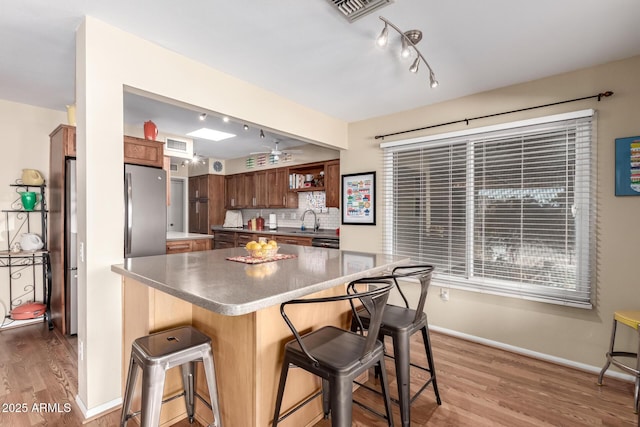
(304, 232)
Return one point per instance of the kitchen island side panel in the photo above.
(248, 353)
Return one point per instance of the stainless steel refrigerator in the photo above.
(145, 203)
(70, 247)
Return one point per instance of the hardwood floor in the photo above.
(479, 386)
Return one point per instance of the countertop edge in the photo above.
(250, 307)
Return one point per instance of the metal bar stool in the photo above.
(338, 356)
(632, 319)
(155, 354)
(400, 323)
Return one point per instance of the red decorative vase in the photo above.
(150, 130)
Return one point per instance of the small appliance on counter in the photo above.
(273, 221)
(233, 219)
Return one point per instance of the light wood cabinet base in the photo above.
(248, 352)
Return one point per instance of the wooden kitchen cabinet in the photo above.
(224, 239)
(332, 183)
(64, 137)
(234, 191)
(62, 146)
(206, 194)
(290, 240)
(138, 151)
(243, 238)
(278, 194)
(193, 245)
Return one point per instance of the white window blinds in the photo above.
(508, 209)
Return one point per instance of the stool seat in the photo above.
(631, 319)
(159, 352)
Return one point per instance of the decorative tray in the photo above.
(247, 259)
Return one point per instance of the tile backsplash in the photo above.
(329, 218)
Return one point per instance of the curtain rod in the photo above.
(599, 96)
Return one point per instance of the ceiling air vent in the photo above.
(177, 148)
(176, 145)
(356, 9)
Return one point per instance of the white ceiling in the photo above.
(307, 52)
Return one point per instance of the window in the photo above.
(507, 209)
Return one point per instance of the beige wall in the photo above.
(25, 144)
(575, 334)
(107, 60)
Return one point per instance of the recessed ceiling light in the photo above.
(210, 134)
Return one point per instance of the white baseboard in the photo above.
(542, 356)
(93, 412)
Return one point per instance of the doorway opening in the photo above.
(176, 211)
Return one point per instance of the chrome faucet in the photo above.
(316, 223)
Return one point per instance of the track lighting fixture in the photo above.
(203, 116)
(245, 127)
(409, 40)
(261, 134)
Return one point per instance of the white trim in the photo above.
(492, 128)
(533, 354)
(90, 413)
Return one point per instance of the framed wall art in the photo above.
(628, 166)
(359, 198)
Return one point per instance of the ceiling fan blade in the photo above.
(260, 152)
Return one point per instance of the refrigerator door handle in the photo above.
(129, 214)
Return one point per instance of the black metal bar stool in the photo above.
(631, 319)
(338, 356)
(155, 354)
(400, 323)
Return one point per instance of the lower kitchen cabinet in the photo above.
(195, 245)
(224, 239)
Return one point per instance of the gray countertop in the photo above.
(209, 280)
(284, 231)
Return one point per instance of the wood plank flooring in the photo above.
(479, 386)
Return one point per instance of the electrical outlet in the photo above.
(81, 349)
(444, 294)
(81, 250)
(293, 215)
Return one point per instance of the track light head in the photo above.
(203, 116)
(245, 127)
(261, 134)
(432, 80)
(383, 37)
(414, 66)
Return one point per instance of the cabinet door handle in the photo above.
(284, 200)
(197, 207)
(197, 194)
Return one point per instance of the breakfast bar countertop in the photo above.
(209, 280)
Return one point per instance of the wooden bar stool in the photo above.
(159, 352)
(632, 319)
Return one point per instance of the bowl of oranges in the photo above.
(262, 249)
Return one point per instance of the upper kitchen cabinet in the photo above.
(320, 176)
(143, 152)
(64, 139)
(234, 191)
(278, 194)
(206, 195)
(332, 183)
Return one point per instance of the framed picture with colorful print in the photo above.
(359, 198)
(628, 166)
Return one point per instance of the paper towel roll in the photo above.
(273, 222)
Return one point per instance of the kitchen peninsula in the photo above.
(237, 305)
